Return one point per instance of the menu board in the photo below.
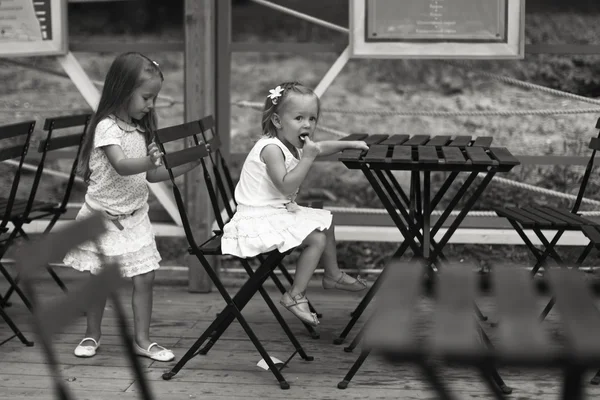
(430, 20)
(33, 27)
(437, 28)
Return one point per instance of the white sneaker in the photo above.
(87, 351)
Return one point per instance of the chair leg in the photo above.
(14, 328)
(243, 296)
(356, 314)
(14, 286)
(354, 369)
(229, 318)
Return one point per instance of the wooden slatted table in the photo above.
(421, 155)
(456, 338)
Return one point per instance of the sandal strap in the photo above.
(89, 338)
(154, 344)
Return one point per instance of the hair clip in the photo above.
(275, 94)
(154, 62)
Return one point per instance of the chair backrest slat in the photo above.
(575, 303)
(185, 156)
(172, 159)
(390, 331)
(8, 132)
(455, 328)
(588, 172)
(177, 132)
(54, 143)
(11, 152)
(62, 142)
(520, 330)
(12, 130)
(68, 121)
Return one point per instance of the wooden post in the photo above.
(223, 73)
(199, 97)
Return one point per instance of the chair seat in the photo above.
(211, 247)
(20, 205)
(544, 217)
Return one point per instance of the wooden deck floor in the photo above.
(229, 370)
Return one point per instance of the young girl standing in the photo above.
(118, 157)
(267, 217)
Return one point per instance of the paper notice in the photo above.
(18, 21)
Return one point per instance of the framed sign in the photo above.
(435, 29)
(33, 27)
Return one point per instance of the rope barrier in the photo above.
(469, 113)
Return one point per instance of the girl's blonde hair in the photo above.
(127, 72)
(270, 108)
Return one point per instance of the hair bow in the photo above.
(275, 94)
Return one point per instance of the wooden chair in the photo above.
(25, 211)
(222, 198)
(538, 217)
(51, 317)
(456, 337)
(212, 247)
(14, 144)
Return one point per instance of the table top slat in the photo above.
(575, 303)
(591, 232)
(395, 140)
(375, 139)
(478, 156)
(417, 140)
(350, 155)
(376, 153)
(504, 156)
(460, 141)
(453, 155)
(355, 136)
(455, 328)
(427, 155)
(402, 154)
(390, 329)
(482, 141)
(520, 332)
(439, 141)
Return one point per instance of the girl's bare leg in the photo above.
(94, 316)
(307, 262)
(141, 301)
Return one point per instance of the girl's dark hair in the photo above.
(270, 108)
(127, 72)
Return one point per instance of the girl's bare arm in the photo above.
(329, 147)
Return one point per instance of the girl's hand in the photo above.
(359, 144)
(310, 148)
(155, 154)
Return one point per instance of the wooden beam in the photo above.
(223, 75)
(199, 26)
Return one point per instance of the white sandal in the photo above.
(298, 305)
(87, 351)
(162, 355)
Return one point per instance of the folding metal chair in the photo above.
(212, 246)
(536, 218)
(14, 143)
(54, 316)
(26, 211)
(223, 196)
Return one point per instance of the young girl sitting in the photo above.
(267, 217)
(117, 158)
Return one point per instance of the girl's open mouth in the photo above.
(303, 136)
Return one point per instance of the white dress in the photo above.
(134, 247)
(262, 222)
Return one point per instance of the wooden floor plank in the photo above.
(229, 370)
